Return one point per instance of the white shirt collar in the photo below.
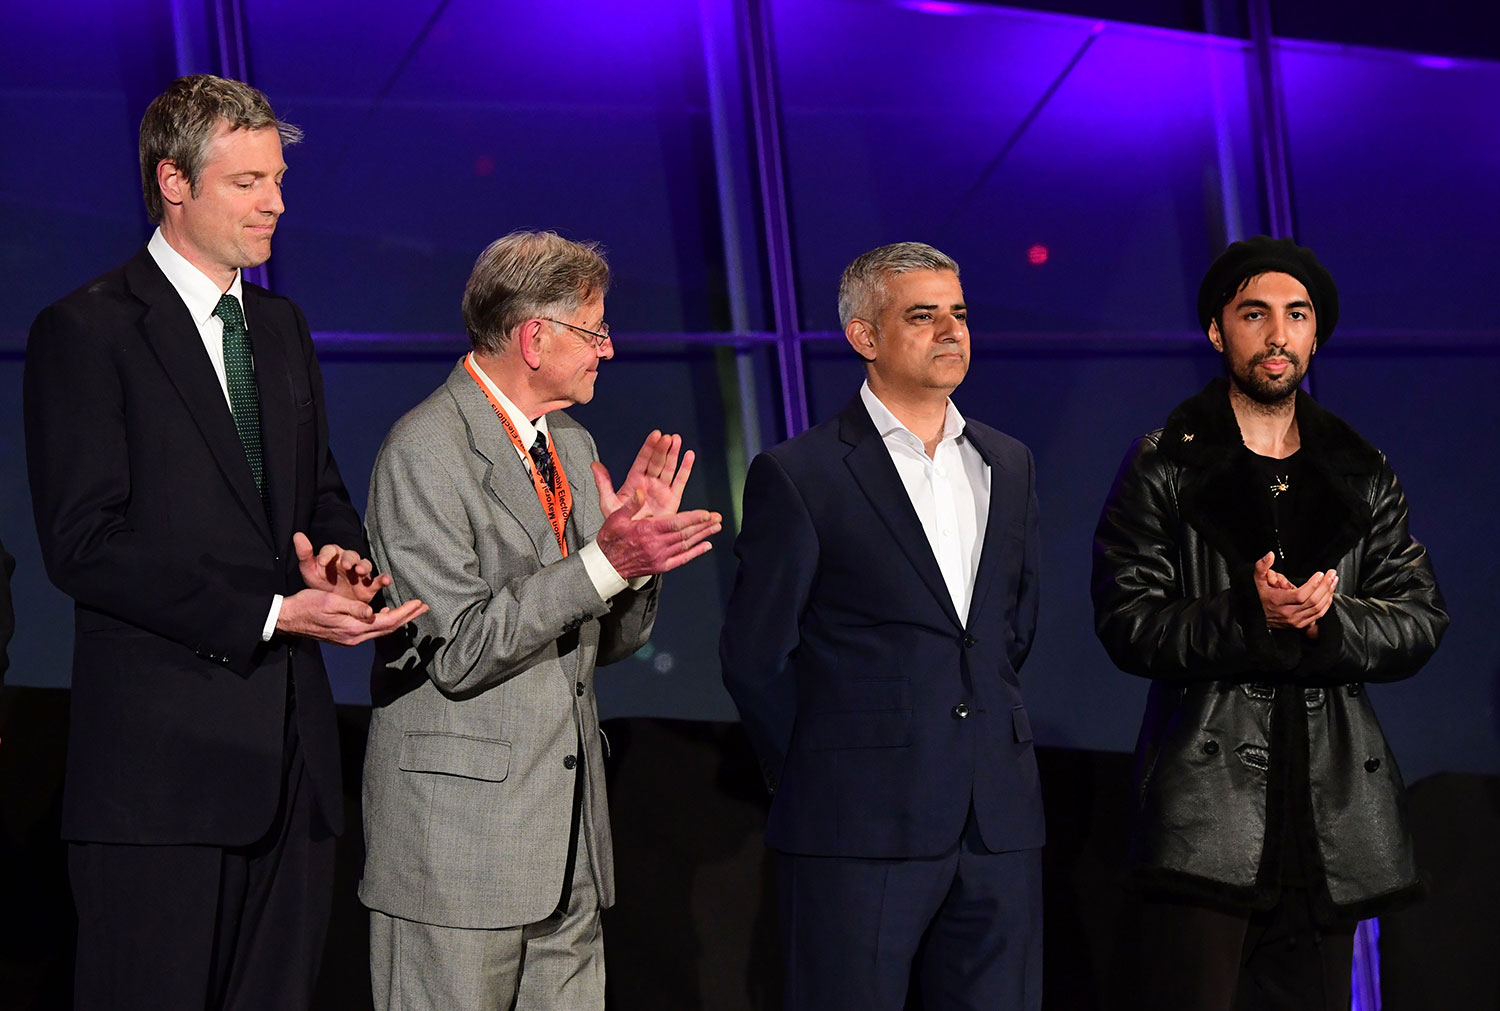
(887, 424)
(197, 291)
(525, 427)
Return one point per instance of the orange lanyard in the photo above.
(557, 505)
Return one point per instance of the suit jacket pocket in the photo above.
(1022, 724)
(888, 729)
(455, 755)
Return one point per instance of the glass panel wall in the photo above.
(1081, 171)
(1395, 162)
(433, 130)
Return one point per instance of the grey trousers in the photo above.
(556, 964)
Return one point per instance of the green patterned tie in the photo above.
(244, 403)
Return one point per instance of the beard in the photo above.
(1267, 391)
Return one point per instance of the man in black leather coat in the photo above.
(1253, 560)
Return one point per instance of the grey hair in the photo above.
(181, 122)
(525, 275)
(862, 287)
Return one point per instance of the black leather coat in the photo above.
(1174, 601)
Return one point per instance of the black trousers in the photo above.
(1197, 959)
(967, 924)
(204, 928)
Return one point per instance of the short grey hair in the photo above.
(525, 275)
(862, 288)
(181, 122)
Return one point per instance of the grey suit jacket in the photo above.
(479, 710)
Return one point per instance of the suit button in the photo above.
(571, 762)
(969, 641)
(1372, 764)
(1354, 691)
(1210, 747)
(961, 711)
(579, 689)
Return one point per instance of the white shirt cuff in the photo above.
(270, 627)
(602, 574)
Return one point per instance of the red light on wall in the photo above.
(1037, 255)
(484, 165)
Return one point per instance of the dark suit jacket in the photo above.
(149, 518)
(844, 653)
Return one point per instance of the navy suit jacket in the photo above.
(847, 660)
(149, 518)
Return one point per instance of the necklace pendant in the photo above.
(1280, 484)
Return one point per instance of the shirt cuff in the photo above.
(602, 574)
(270, 627)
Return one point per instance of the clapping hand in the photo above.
(335, 607)
(1289, 606)
(655, 475)
(643, 532)
(337, 570)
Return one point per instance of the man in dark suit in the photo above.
(886, 597)
(179, 461)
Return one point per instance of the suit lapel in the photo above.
(870, 463)
(173, 336)
(278, 408)
(506, 477)
(1001, 482)
(572, 452)
(575, 458)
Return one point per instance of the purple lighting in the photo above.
(934, 7)
(1437, 62)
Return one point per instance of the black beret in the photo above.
(1264, 255)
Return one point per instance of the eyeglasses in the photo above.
(596, 340)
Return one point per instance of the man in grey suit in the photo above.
(487, 832)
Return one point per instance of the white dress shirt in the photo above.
(950, 492)
(201, 296)
(601, 573)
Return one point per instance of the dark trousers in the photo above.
(1198, 959)
(968, 923)
(189, 928)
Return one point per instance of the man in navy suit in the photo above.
(179, 461)
(886, 598)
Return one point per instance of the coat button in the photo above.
(1372, 764)
(571, 762)
(579, 689)
(1210, 747)
(969, 641)
(1354, 691)
(961, 711)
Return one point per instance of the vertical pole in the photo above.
(735, 364)
(1220, 64)
(226, 34)
(1271, 118)
(767, 128)
(1366, 981)
(1271, 132)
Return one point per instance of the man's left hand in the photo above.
(337, 570)
(655, 474)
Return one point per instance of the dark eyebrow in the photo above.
(956, 307)
(1256, 303)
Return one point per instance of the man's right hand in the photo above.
(331, 617)
(640, 545)
(1288, 606)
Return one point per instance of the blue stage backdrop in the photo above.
(1082, 168)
